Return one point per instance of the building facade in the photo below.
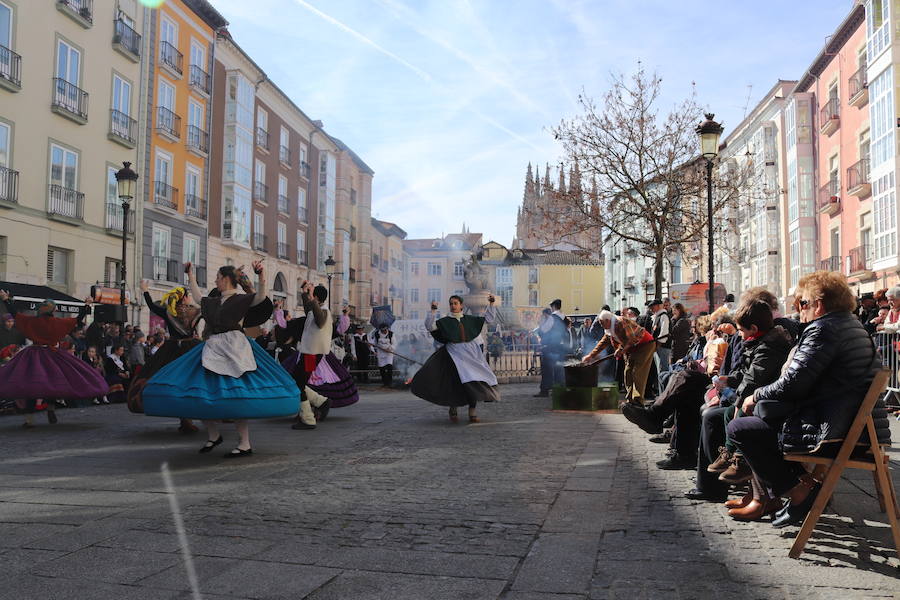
(70, 89)
(176, 167)
(389, 266)
(435, 270)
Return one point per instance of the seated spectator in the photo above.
(117, 373)
(810, 407)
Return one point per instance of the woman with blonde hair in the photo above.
(810, 407)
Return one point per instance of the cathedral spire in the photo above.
(562, 180)
(547, 177)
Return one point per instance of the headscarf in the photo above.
(171, 299)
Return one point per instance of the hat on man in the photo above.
(654, 302)
(557, 304)
(868, 296)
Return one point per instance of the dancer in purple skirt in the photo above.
(42, 370)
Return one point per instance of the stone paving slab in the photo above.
(387, 499)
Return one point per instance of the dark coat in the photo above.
(680, 334)
(761, 362)
(818, 395)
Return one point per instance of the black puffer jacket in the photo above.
(761, 362)
(818, 395)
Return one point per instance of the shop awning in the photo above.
(27, 297)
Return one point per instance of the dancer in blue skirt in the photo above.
(228, 376)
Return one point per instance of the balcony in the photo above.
(283, 249)
(304, 169)
(165, 195)
(195, 206)
(80, 11)
(197, 140)
(260, 192)
(9, 186)
(302, 257)
(861, 262)
(858, 183)
(122, 129)
(830, 117)
(114, 218)
(284, 155)
(126, 40)
(829, 200)
(165, 269)
(832, 263)
(260, 242)
(10, 70)
(284, 205)
(199, 80)
(262, 139)
(859, 88)
(65, 202)
(629, 283)
(168, 124)
(302, 214)
(69, 101)
(171, 59)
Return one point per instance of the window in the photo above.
(68, 63)
(168, 32)
(63, 167)
(414, 268)
(190, 251)
(195, 114)
(260, 172)
(4, 145)
(301, 247)
(414, 315)
(434, 295)
(458, 269)
(262, 119)
(198, 55)
(877, 28)
(121, 100)
(885, 217)
(532, 276)
(258, 222)
(434, 269)
(301, 205)
(284, 137)
(414, 295)
(532, 298)
(5, 37)
(282, 186)
(57, 266)
(163, 166)
(881, 115)
(192, 189)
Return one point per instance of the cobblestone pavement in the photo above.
(387, 499)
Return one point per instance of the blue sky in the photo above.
(448, 100)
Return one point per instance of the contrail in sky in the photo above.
(419, 72)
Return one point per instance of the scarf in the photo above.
(171, 299)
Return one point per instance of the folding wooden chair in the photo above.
(833, 467)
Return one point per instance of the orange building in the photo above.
(175, 172)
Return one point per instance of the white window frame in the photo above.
(262, 119)
(65, 152)
(164, 23)
(165, 85)
(160, 158)
(66, 254)
(5, 144)
(284, 137)
(196, 108)
(282, 185)
(70, 50)
(198, 46)
(161, 229)
(124, 88)
(281, 231)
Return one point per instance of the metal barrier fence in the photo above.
(888, 345)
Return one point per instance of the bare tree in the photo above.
(649, 186)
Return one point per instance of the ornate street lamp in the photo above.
(709, 132)
(329, 272)
(126, 182)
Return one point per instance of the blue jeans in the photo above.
(662, 358)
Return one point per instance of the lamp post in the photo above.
(709, 132)
(126, 181)
(329, 272)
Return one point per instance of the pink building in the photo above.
(837, 79)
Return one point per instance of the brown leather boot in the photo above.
(740, 502)
(755, 510)
(720, 464)
(738, 472)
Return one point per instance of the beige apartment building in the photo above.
(435, 270)
(389, 266)
(70, 83)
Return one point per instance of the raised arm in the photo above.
(431, 320)
(490, 313)
(196, 292)
(261, 288)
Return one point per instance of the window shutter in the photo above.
(50, 258)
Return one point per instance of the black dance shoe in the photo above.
(238, 453)
(210, 444)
